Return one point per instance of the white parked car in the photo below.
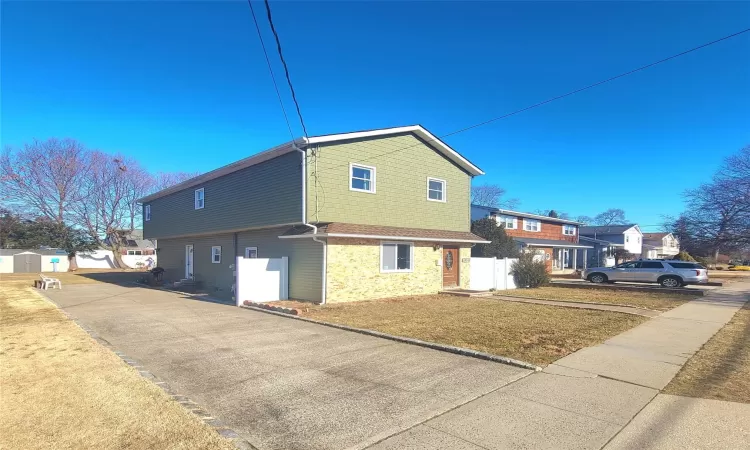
(668, 273)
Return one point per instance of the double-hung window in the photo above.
(251, 252)
(199, 199)
(436, 189)
(569, 230)
(147, 213)
(510, 222)
(135, 252)
(216, 254)
(532, 225)
(396, 257)
(361, 178)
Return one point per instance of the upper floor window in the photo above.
(532, 225)
(251, 252)
(435, 189)
(147, 213)
(639, 239)
(199, 199)
(569, 230)
(216, 254)
(361, 178)
(510, 222)
(135, 252)
(627, 238)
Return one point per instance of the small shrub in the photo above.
(529, 273)
(683, 256)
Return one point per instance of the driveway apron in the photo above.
(280, 383)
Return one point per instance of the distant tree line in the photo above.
(716, 219)
(61, 194)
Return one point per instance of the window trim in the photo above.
(569, 227)
(515, 221)
(203, 198)
(444, 191)
(251, 248)
(527, 220)
(373, 181)
(146, 213)
(214, 253)
(411, 256)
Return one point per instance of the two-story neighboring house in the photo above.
(627, 236)
(665, 245)
(360, 215)
(555, 239)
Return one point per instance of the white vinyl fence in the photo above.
(491, 273)
(262, 279)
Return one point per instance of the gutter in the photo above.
(313, 227)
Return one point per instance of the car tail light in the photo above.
(697, 272)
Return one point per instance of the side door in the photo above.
(625, 271)
(651, 271)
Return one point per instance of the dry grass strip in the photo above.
(720, 370)
(61, 389)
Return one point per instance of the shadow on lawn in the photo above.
(123, 279)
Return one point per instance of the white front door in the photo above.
(189, 262)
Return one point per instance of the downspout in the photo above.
(314, 228)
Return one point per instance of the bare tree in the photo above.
(108, 209)
(586, 220)
(612, 216)
(43, 179)
(491, 195)
(717, 217)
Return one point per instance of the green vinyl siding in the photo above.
(400, 198)
(305, 260)
(269, 193)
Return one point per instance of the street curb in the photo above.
(192, 407)
(432, 345)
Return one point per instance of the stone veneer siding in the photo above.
(353, 271)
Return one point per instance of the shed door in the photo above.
(450, 267)
(27, 263)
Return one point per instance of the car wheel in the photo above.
(671, 282)
(598, 278)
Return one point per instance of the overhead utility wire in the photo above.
(286, 69)
(268, 61)
(536, 105)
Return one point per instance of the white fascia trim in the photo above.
(224, 170)
(416, 129)
(559, 245)
(392, 238)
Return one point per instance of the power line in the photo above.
(268, 61)
(286, 69)
(536, 105)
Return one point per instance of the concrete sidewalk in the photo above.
(604, 395)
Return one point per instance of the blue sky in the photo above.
(184, 86)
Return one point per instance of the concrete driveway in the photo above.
(281, 383)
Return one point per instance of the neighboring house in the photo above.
(629, 236)
(665, 245)
(555, 239)
(136, 245)
(602, 254)
(650, 251)
(360, 215)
